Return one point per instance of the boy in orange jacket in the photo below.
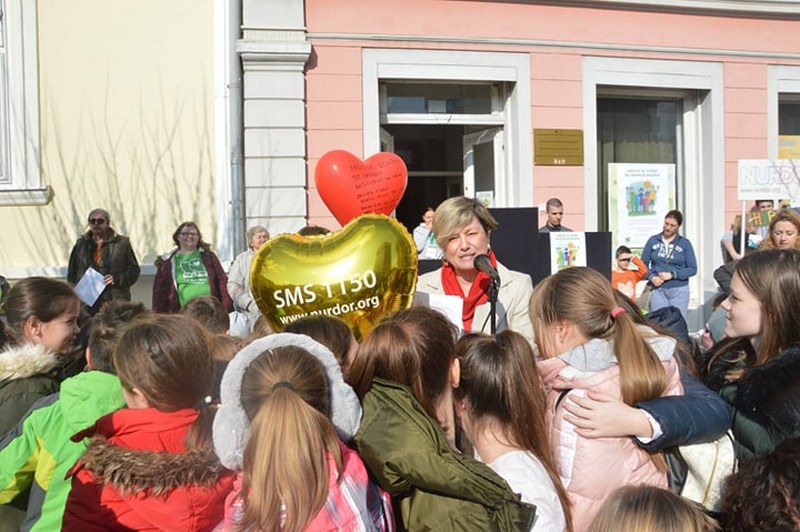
(623, 278)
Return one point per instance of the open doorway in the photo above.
(443, 161)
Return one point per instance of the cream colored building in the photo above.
(115, 104)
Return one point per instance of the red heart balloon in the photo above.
(351, 187)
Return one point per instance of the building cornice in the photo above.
(781, 9)
(544, 43)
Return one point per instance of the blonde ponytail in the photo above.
(285, 463)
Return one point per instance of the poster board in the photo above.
(769, 178)
(640, 195)
(598, 254)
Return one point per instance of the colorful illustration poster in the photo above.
(640, 195)
(567, 249)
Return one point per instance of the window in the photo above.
(20, 174)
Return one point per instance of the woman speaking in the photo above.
(463, 229)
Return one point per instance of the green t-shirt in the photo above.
(191, 276)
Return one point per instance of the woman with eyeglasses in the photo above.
(190, 270)
(108, 252)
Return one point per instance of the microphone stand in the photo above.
(494, 289)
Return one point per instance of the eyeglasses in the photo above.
(624, 260)
(97, 221)
(189, 235)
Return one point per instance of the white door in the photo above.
(387, 141)
(483, 166)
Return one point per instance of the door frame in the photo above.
(439, 65)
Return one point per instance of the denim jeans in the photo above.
(677, 297)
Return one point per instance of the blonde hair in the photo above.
(285, 462)
(584, 297)
(783, 215)
(454, 213)
(649, 509)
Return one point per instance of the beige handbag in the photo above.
(705, 467)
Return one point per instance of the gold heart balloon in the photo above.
(358, 274)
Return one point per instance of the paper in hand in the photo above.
(90, 286)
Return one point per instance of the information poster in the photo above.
(640, 195)
(567, 249)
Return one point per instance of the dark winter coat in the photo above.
(116, 259)
(435, 487)
(766, 399)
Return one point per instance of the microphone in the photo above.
(484, 263)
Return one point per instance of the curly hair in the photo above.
(765, 493)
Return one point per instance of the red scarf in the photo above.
(478, 292)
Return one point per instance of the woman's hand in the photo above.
(597, 415)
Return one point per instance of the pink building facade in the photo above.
(461, 88)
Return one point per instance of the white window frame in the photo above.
(386, 64)
(780, 79)
(704, 206)
(21, 86)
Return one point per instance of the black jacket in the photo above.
(116, 258)
(766, 399)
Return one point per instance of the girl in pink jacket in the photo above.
(588, 343)
(284, 408)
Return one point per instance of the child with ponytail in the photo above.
(501, 405)
(583, 337)
(152, 466)
(274, 425)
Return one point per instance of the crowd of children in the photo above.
(174, 425)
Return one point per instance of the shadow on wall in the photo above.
(151, 174)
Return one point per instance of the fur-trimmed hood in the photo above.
(133, 471)
(770, 394)
(26, 360)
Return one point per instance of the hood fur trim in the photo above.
(27, 360)
(770, 393)
(155, 473)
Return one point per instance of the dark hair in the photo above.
(209, 312)
(40, 297)
(313, 230)
(621, 250)
(500, 382)
(167, 357)
(330, 331)
(765, 493)
(676, 215)
(415, 347)
(223, 349)
(107, 327)
(200, 242)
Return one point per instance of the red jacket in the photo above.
(165, 291)
(137, 475)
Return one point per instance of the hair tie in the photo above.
(282, 384)
(616, 312)
(204, 403)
